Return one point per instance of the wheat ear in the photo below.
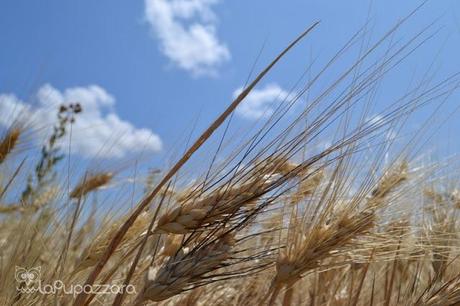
(8, 143)
(183, 270)
(91, 183)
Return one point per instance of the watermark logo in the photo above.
(29, 281)
(27, 278)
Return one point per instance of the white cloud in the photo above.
(260, 103)
(97, 131)
(187, 33)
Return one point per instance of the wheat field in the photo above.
(266, 218)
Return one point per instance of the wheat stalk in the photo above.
(92, 253)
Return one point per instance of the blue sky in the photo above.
(155, 67)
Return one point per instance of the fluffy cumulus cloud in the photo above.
(260, 103)
(97, 132)
(186, 30)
